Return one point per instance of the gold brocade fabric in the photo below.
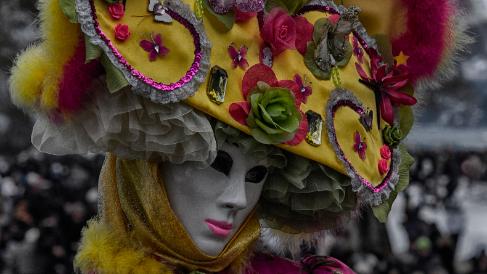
(135, 204)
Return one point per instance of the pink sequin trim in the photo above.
(149, 81)
(364, 181)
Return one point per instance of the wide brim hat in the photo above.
(333, 83)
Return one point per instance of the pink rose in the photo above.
(279, 31)
(116, 10)
(383, 166)
(385, 152)
(122, 32)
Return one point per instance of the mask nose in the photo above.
(234, 197)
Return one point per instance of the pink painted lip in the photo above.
(220, 229)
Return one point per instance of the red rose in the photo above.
(279, 31)
(383, 166)
(122, 32)
(117, 10)
(385, 152)
(304, 33)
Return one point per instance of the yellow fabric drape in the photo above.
(134, 205)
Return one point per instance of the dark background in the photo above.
(439, 225)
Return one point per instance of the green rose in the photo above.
(392, 136)
(274, 117)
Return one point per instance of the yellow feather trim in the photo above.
(38, 71)
(105, 251)
(27, 76)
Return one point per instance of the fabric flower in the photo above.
(386, 82)
(306, 90)
(385, 152)
(122, 32)
(383, 166)
(330, 46)
(155, 48)
(239, 57)
(392, 136)
(360, 146)
(116, 10)
(273, 118)
(304, 33)
(279, 31)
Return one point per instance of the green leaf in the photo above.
(321, 28)
(275, 110)
(69, 9)
(381, 212)
(114, 77)
(309, 61)
(92, 52)
(266, 116)
(226, 20)
(406, 119)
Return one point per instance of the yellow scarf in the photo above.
(137, 227)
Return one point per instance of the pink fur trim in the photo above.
(76, 80)
(425, 39)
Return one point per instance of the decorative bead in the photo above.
(217, 85)
(315, 128)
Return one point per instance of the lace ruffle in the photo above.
(131, 127)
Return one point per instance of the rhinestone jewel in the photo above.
(315, 128)
(217, 85)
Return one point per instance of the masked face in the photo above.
(212, 203)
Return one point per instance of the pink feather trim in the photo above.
(76, 80)
(426, 37)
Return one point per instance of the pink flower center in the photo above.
(283, 32)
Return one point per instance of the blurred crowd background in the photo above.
(438, 226)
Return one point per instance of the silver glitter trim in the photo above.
(365, 193)
(85, 18)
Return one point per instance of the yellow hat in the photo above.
(303, 75)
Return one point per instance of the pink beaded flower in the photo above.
(360, 146)
(155, 48)
(239, 57)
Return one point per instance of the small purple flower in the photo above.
(360, 146)
(305, 88)
(155, 48)
(239, 57)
